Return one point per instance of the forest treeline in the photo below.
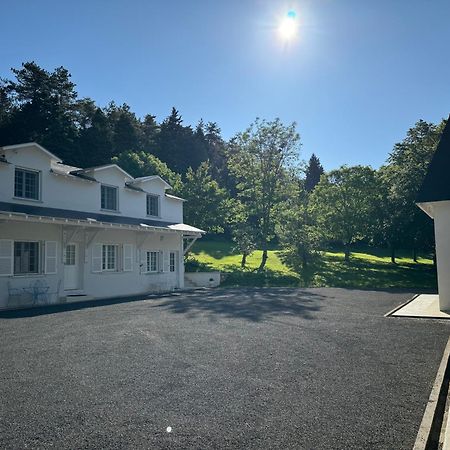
(254, 188)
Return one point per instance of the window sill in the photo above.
(30, 275)
(24, 199)
(114, 211)
(153, 217)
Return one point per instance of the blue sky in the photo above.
(357, 76)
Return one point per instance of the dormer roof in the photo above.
(141, 180)
(104, 167)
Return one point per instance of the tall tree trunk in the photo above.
(415, 254)
(393, 254)
(347, 252)
(304, 260)
(263, 261)
(244, 259)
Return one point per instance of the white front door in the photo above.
(71, 267)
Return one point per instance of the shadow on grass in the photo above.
(216, 249)
(253, 305)
(334, 271)
(236, 276)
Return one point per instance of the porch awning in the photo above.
(64, 216)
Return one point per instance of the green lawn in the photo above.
(369, 269)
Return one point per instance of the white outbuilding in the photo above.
(434, 199)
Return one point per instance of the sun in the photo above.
(287, 29)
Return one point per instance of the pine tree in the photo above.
(313, 173)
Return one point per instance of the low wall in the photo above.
(201, 279)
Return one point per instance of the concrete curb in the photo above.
(401, 306)
(431, 424)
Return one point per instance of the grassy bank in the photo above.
(367, 269)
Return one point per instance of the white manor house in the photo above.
(71, 234)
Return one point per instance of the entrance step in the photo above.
(77, 298)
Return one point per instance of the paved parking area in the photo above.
(242, 368)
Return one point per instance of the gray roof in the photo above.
(42, 211)
(436, 185)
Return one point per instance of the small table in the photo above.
(38, 291)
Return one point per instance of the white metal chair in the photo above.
(14, 293)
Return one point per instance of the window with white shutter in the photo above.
(6, 257)
(97, 258)
(128, 258)
(166, 261)
(51, 257)
(161, 261)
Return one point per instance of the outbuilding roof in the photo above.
(436, 185)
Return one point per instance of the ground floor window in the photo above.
(152, 261)
(172, 262)
(26, 258)
(109, 257)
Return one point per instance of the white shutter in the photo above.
(51, 257)
(97, 258)
(143, 261)
(161, 261)
(166, 265)
(128, 258)
(6, 257)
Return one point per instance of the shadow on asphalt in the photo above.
(251, 304)
(75, 306)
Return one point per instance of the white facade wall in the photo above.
(67, 192)
(71, 193)
(203, 279)
(90, 283)
(441, 213)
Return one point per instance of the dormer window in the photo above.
(152, 205)
(26, 184)
(109, 198)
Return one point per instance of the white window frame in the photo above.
(148, 261)
(172, 267)
(39, 187)
(106, 257)
(116, 189)
(158, 205)
(38, 258)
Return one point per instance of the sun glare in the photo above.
(287, 29)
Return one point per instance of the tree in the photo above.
(139, 164)
(125, 128)
(216, 152)
(343, 204)
(403, 223)
(41, 107)
(313, 173)
(206, 205)
(149, 132)
(94, 143)
(297, 230)
(178, 146)
(243, 237)
(259, 159)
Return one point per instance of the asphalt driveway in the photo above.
(243, 368)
